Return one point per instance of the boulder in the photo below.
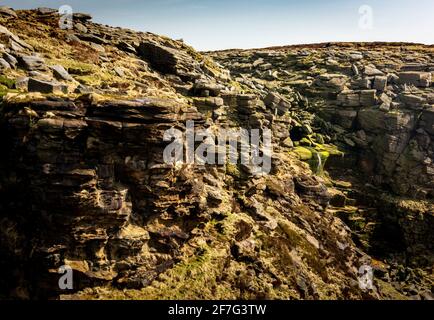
(385, 99)
(209, 102)
(97, 47)
(371, 71)
(349, 99)
(169, 60)
(16, 44)
(206, 88)
(8, 12)
(35, 85)
(119, 72)
(125, 46)
(418, 79)
(380, 83)
(4, 65)
(332, 82)
(92, 38)
(22, 83)
(80, 27)
(83, 89)
(364, 83)
(356, 56)
(82, 17)
(10, 59)
(45, 10)
(275, 101)
(272, 98)
(412, 101)
(367, 98)
(392, 78)
(258, 62)
(70, 37)
(415, 66)
(60, 73)
(31, 63)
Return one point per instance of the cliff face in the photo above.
(374, 100)
(83, 181)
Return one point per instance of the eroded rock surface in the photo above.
(382, 112)
(83, 182)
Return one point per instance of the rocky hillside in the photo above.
(83, 182)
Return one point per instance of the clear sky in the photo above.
(223, 24)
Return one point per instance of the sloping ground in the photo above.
(83, 182)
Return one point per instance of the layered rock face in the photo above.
(91, 176)
(376, 102)
(84, 184)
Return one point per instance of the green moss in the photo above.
(305, 63)
(76, 67)
(389, 292)
(211, 66)
(304, 153)
(197, 276)
(9, 83)
(87, 80)
(332, 150)
(306, 142)
(297, 240)
(3, 91)
(196, 55)
(97, 79)
(238, 87)
(316, 155)
(318, 161)
(232, 170)
(294, 238)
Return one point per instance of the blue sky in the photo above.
(222, 24)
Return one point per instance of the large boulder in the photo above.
(35, 85)
(169, 60)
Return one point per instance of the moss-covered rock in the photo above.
(304, 153)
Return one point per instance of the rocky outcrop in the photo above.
(375, 106)
(84, 184)
(169, 60)
(88, 195)
(377, 113)
(101, 199)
